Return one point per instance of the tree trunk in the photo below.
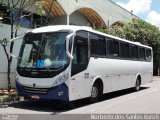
(8, 76)
(10, 58)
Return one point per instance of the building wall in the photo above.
(108, 10)
(5, 32)
(77, 18)
(60, 20)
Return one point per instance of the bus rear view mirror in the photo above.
(67, 45)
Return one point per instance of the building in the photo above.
(93, 13)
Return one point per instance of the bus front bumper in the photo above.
(59, 92)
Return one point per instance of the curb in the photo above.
(7, 99)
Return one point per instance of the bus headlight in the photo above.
(61, 80)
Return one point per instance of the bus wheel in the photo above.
(95, 93)
(137, 85)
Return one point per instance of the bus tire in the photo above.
(95, 93)
(137, 84)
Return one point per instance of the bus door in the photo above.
(80, 62)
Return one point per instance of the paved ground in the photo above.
(147, 100)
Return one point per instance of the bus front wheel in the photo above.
(95, 93)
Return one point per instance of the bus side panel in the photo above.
(147, 72)
(115, 74)
(79, 86)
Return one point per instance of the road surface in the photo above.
(147, 101)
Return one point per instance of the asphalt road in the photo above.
(147, 101)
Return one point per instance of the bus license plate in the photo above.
(35, 97)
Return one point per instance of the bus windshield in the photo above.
(43, 50)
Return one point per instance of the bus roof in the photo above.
(73, 28)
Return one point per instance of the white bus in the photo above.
(71, 62)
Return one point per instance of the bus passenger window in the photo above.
(113, 49)
(148, 55)
(124, 51)
(94, 45)
(98, 45)
(134, 52)
(142, 53)
(102, 46)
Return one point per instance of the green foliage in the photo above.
(39, 7)
(137, 30)
(18, 26)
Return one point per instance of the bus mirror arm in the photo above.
(67, 45)
(16, 38)
(14, 56)
(12, 40)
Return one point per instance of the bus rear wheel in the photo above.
(95, 93)
(137, 85)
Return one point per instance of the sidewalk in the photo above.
(156, 78)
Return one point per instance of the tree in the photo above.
(14, 8)
(139, 31)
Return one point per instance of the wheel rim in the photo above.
(94, 92)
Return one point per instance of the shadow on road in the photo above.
(56, 107)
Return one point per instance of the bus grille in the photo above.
(35, 90)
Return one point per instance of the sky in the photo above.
(148, 10)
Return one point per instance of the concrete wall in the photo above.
(77, 18)
(108, 10)
(5, 31)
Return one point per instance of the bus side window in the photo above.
(142, 53)
(94, 45)
(102, 47)
(127, 51)
(148, 55)
(113, 49)
(134, 52)
(98, 45)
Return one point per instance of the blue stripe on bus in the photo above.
(52, 94)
